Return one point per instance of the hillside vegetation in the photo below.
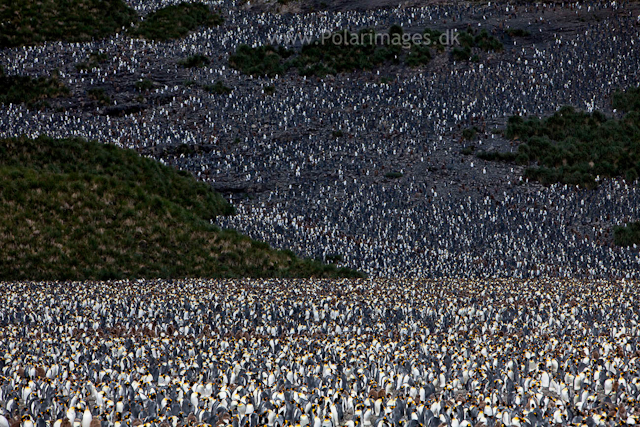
(344, 51)
(25, 23)
(627, 235)
(29, 90)
(574, 147)
(176, 21)
(72, 209)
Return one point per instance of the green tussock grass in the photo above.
(98, 95)
(332, 57)
(176, 21)
(574, 147)
(627, 235)
(269, 90)
(144, 85)
(94, 60)
(517, 32)
(627, 100)
(470, 40)
(393, 175)
(470, 133)
(26, 22)
(29, 90)
(340, 52)
(218, 88)
(468, 150)
(194, 61)
(77, 210)
(497, 156)
(345, 52)
(260, 61)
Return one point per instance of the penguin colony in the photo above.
(313, 353)
(319, 195)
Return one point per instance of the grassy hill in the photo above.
(176, 21)
(72, 209)
(25, 22)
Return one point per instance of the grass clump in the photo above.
(497, 156)
(469, 41)
(176, 21)
(25, 22)
(418, 55)
(574, 147)
(393, 175)
(83, 66)
(144, 85)
(269, 90)
(470, 133)
(344, 51)
(260, 61)
(218, 88)
(628, 100)
(434, 38)
(98, 57)
(334, 53)
(98, 95)
(194, 61)
(334, 258)
(30, 91)
(517, 32)
(461, 54)
(77, 210)
(467, 151)
(627, 235)
(365, 50)
(481, 40)
(94, 61)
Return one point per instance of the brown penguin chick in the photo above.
(40, 372)
(622, 412)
